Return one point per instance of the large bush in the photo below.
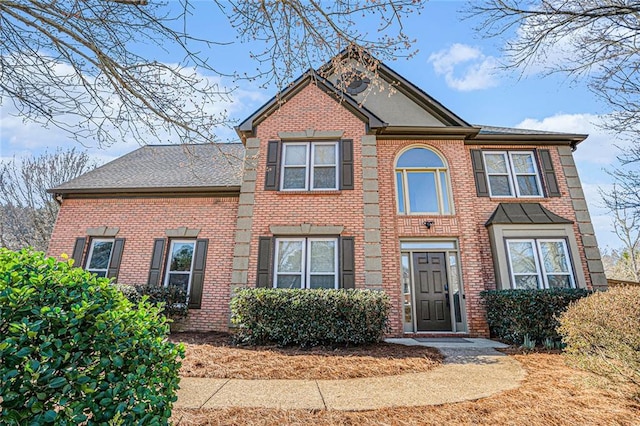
(602, 334)
(513, 314)
(309, 317)
(73, 351)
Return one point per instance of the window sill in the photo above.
(318, 192)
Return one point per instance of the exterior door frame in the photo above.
(454, 272)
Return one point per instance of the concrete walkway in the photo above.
(472, 369)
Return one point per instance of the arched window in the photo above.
(422, 183)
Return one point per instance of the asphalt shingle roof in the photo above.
(162, 167)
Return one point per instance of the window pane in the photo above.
(181, 257)
(522, 258)
(295, 155)
(526, 282)
(422, 192)
(495, 163)
(523, 163)
(406, 290)
(445, 192)
(527, 185)
(400, 188)
(289, 256)
(322, 281)
(179, 280)
(499, 185)
(559, 281)
(323, 256)
(554, 256)
(100, 255)
(419, 157)
(100, 274)
(289, 281)
(324, 177)
(324, 154)
(294, 178)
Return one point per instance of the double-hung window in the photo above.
(539, 263)
(306, 263)
(180, 264)
(512, 174)
(99, 256)
(309, 166)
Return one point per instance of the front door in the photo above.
(431, 292)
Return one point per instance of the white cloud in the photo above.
(20, 137)
(465, 68)
(600, 148)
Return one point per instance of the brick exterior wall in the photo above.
(228, 230)
(140, 221)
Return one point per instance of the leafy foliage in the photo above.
(309, 317)
(514, 314)
(602, 334)
(172, 300)
(74, 351)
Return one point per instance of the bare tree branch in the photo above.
(83, 66)
(27, 211)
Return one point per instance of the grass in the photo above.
(551, 394)
(212, 355)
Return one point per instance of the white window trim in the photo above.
(437, 171)
(541, 272)
(309, 165)
(305, 273)
(90, 255)
(168, 265)
(511, 174)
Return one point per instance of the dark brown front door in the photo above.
(431, 290)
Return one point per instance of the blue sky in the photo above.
(454, 64)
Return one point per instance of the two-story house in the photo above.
(352, 179)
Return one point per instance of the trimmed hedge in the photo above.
(513, 314)
(602, 334)
(309, 317)
(74, 350)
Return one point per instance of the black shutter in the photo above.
(347, 263)
(156, 262)
(116, 258)
(264, 262)
(78, 250)
(548, 174)
(273, 164)
(197, 275)
(346, 164)
(482, 189)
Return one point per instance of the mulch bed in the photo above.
(551, 394)
(212, 355)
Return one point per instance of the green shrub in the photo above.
(73, 351)
(309, 317)
(602, 334)
(513, 314)
(129, 291)
(172, 299)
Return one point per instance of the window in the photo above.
(422, 183)
(539, 263)
(309, 165)
(179, 264)
(512, 174)
(99, 256)
(306, 263)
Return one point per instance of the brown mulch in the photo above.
(212, 355)
(551, 394)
